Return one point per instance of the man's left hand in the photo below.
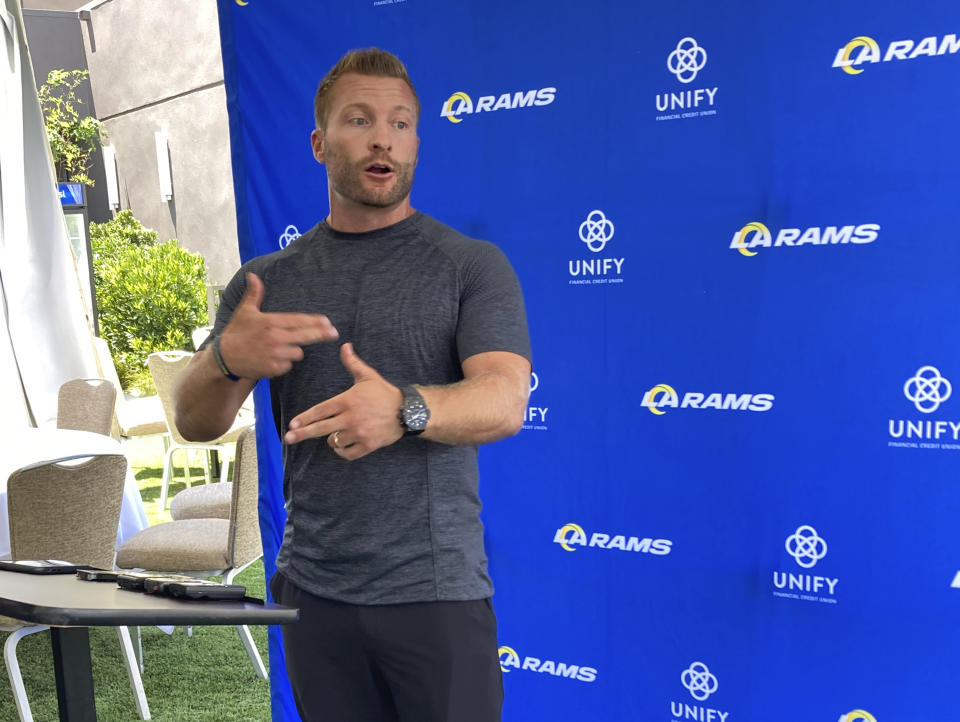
(362, 419)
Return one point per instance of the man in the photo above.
(383, 547)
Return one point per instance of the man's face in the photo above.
(370, 143)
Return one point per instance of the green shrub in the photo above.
(72, 138)
(150, 295)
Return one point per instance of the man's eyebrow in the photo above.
(355, 106)
(360, 105)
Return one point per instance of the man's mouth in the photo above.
(379, 169)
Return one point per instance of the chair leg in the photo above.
(187, 476)
(252, 650)
(167, 473)
(13, 670)
(133, 672)
(139, 647)
(224, 464)
(206, 466)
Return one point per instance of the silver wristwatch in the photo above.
(414, 413)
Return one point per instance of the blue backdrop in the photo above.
(736, 494)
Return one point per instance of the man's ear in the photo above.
(316, 142)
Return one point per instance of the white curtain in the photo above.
(45, 338)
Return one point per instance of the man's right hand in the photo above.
(256, 344)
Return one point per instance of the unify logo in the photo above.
(596, 231)
(460, 103)
(289, 235)
(756, 235)
(510, 660)
(700, 682)
(857, 715)
(685, 62)
(927, 390)
(664, 396)
(955, 584)
(863, 49)
(535, 417)
(807, 548)
(570, 536)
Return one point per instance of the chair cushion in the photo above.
(209, 501)
(187, 545)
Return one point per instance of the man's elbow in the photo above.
(191, 432)
(512, 421)
(195, 427)
(517, 407)
(513, 424)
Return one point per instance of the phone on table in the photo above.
(201, 589)
(97, 575)
(42, 566)
(157, 583)
(134, 580)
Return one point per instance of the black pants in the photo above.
(423, 662)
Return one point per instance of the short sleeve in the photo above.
(492, 313)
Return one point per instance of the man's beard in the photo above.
(346, 179)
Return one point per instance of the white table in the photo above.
(29, 446)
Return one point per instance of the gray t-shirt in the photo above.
(416, 298)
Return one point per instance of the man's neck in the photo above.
(360, 219)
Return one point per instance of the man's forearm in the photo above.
(478, 410)
(206, 401)
(487, 405)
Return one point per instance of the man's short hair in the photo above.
(368, 61)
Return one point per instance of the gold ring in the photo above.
(336, 439)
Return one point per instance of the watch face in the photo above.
(414, 411)
(415, 415)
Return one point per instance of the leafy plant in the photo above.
(72, 138)
(150, 295)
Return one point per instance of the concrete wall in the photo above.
(156, 66)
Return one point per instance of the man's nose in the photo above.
(380, 139)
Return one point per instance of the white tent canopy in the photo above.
(45, 338)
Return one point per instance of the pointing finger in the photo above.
(311, 322)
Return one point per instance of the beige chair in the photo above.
(209, 547)
(209, 501)
(137, 416)
(86, 405)
(164, 367)
(68, 510)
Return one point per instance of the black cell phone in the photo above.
(42, 566)
(199, 589)
(97, 575)
(157, 583)
(133, 580)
